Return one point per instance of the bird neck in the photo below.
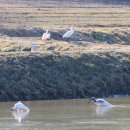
(72, 29)
(94, 100)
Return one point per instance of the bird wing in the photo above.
(46, 36)
(103, 102)
(20, 106)
(43, 36)
(100, 100)
(68, 34)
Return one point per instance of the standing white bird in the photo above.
(20, 107)
(100, 102)
(46, 35)
(69, 33)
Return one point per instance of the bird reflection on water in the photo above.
(102, 110)
(19, 116)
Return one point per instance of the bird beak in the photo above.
(90, 100)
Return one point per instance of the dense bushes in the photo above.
(54, 76)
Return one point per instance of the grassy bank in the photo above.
(64, 75)
(94, 62)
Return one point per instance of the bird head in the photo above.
(71, 28)
(47, 31)
(92, 98)
(19, 101)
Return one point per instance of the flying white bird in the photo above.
(100, 102)
(20, 107)
(46, 35)
(69, 33)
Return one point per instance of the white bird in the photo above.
(35, 48)
(46, 35)
(20, 107)
(100, 102)
(69, 33)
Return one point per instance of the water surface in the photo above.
(67, 115)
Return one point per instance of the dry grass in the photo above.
(25, 15)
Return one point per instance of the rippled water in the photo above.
(67, 115)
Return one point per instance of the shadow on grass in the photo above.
(112, 38)
(38, 32)
(104, 37)
(63, 77)
(116, 37)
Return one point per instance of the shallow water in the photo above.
(67, 115)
